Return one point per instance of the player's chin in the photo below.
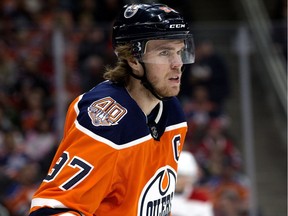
(173, 92)
(168, 91)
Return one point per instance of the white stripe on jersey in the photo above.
(68, 214)
(47, 202)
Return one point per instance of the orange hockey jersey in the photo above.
(113, 160)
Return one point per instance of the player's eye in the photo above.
(164, 53)
(180, 52)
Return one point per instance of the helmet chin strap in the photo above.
(145, 82)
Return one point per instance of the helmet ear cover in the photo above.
(137, 48)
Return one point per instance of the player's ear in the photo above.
(135, 65)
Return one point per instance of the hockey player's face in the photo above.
(163, 64)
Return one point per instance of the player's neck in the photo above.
(143, 97)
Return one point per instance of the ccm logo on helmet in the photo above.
(177, 26)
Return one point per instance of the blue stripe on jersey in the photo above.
(45, 211)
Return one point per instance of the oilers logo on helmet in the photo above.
(131, 11)
(156, 197)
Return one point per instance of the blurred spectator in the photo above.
(88, 8)
(209, 70)
(5, 122)
(33, 110)
(93, 53)
(94, 42)
(18, 193)
(12, 156)
(189, 198)
(199, 110)
(7, 67)
(229, 192)
(31, 94)
(40, 141)
(215, 146)
(92, 72)
(100, 11)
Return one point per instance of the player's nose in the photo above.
(176, 62)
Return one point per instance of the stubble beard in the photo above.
(166, 90)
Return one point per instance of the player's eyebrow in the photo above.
(164, 47)
(167, 47)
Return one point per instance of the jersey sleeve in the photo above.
(81, 173)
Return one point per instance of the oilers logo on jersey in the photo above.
(157, 195)
(106, 112)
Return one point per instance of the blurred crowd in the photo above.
(28, 116)
(28, 132)
(219, 179)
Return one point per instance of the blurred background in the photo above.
(234, 95)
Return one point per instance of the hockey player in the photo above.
(122, 139)
(190, 199)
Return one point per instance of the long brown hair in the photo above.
(120, 73)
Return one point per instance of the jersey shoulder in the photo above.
(108, 111)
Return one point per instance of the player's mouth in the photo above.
(175, 79)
